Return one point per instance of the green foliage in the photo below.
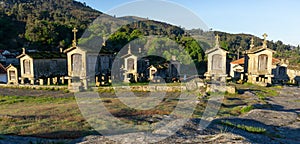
(247, 109)
(43, 25)
(250, 129)
(164, 40)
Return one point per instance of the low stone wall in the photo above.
(143, 88)
(34, 86)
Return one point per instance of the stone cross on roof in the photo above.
(265, 40)
(104, 41)
(129, 49)
(217, 40)
(252, 43)
(23, 50)
(74, 41)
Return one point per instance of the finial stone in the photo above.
(74, 40)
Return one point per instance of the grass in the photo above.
(261, 92)
(105, 90)
(60, 117)
(148, 83)
(247, 109)
(250, 129)
(42, 117)
(298, 101)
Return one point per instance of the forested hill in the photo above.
(46, 25)
(42, 24)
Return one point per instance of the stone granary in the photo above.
(13, 74)
(130, 69)
(39, 67)
(133, 68)
(279, 70)
(86, 66)
(217, 63)
(169, 72)
(258, 63)
(142, 69)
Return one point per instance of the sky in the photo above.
(280, 19)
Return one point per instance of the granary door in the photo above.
(12, 75)
(130, 64)
(76, 64)
(27, 69)
(216, 62)
(262, 63)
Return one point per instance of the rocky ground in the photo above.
(281, 119)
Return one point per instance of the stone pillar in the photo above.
(97, 81)
(22, 81)
(69, 83)
(254, 79)
(223, 79)
(126, 78)
(136, 77)
(32, 81)
(109, 79)
(62, 80)
(85, 83)
(54, 80)
(41, 81)
(269, 80)
(48, 81)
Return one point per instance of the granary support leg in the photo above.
(32, 81)
(22, 81)
(62, 80)
(70, 82)
(41, 81)
(48, 81)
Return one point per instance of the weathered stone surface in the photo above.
(231, 89)
(270, 117)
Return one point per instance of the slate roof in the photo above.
(44, 55)
(214, 49)
(258, 49)
(103, 51)
(2, 69)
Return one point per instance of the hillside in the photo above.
(46, 25)
(42, 24)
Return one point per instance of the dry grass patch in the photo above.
(42, 117)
